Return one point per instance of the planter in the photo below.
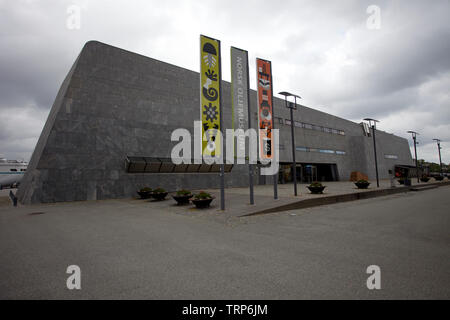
(362, 185)
(159, 195)
(401, 181)
(316, 190)
(145, 194)
(424, 179)
(202, 203)
(438, 178)
(182, 199)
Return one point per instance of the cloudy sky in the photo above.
(342, 57)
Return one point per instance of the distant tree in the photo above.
(434, 167)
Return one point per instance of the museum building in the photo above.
(109, 133)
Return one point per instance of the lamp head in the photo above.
(288, 94)
(290, 104)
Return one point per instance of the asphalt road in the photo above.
(127, 249)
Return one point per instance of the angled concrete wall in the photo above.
(115, 103)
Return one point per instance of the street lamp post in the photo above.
(438, 141)
(374, 146)
(292, 107)
(413, 133)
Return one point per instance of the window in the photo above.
(341, 132)
(317, 128)
(390, 156)
(328, 130)
(307, 126)
(287, 122)
(280, 120)
(23, 169)
(297, 124)
(326, 151)
(334, 131)
(12, 169)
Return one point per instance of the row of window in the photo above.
(310, 126)
(16, 169)
(339, 152)
(307, 149)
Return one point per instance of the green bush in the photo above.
(316, 184)
(146, 189)
(183, 192)
(362, 181)
(202, 195)
(159, 190)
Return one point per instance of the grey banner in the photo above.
(239, 89)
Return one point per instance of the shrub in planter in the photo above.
(316, 187)
(438, 178)
(182, 196)
(159, 193)
(424, 178)
(362, 184)
(145, 193)
(202, 199)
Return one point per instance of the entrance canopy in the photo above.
(165, 165)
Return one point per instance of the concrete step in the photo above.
(422, 188)
(308, 203)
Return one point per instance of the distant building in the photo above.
(112, 120)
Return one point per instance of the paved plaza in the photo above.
(237, 200)
(155, 250)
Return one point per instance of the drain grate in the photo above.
(35, 213)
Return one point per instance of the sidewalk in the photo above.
(237, 199)
(237, 202)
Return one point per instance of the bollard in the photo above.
(13, 198)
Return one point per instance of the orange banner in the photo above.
(265, 110)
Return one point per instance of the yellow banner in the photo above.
(210, 78)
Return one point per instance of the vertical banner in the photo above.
(239, 96)
(210, 78)
(265, 112)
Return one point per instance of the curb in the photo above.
(308, 203)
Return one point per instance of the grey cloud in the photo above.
(321, 50)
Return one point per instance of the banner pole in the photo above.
(250, 166)
(275, 176)
(222, 143)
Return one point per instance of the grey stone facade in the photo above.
(115, 103)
